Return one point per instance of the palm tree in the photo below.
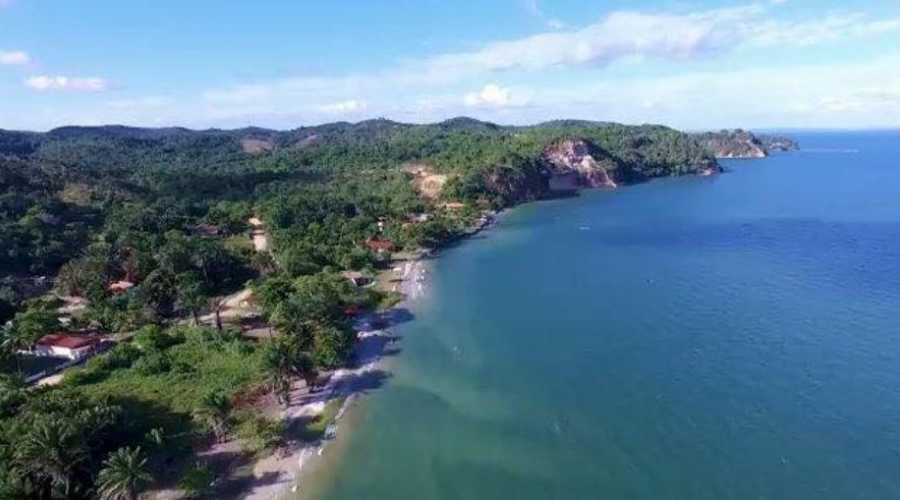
(284, 360)
(13, 392)
(49, 455)
(124, 474)
(13, 340)
(278, 363)
(213, 413)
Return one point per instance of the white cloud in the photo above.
(629, 34)
(16, 57)
(830, 28)
(845, 95)
(493, 95)
(620, 36)
(617, 36)
(44, 83)
(344, 107)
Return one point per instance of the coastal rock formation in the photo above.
(743, 144)
(575, 163)
(778, 143)
(733, 144)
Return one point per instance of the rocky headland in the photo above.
(744, 144)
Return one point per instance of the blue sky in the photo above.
(690, 64)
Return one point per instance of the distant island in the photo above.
(743, 144)
(204, 283)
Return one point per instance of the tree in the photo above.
(284, 360)
(213, 412)
(192, 294)
(124, 474)
(49, 456)
(25, 330)
(13, 393)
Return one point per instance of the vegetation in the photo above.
(149, 229)
(124, 475)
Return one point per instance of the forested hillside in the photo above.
(147, 230)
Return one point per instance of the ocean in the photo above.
(725, 337)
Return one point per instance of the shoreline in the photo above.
(292, 462)
(280, 474)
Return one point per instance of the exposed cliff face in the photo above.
(733, 144)
(574, 163)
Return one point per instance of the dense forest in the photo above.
(168, 211)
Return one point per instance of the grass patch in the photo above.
(168, 384)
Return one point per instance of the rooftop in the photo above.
(67, 341)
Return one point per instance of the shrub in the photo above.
(152, 337)
(197, 481)
(121, 356)
(153, 364)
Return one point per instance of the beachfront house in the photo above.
(62, 345)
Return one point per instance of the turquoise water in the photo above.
(732, 337)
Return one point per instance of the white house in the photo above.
(61, 345)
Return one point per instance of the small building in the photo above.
(120, 286)
(61, 345)
(454, 205)
(379, 245)
(357, 278)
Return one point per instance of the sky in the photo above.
(704, 64)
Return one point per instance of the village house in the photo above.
(379, 245)
(61, 345)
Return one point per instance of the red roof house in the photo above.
(62, 345)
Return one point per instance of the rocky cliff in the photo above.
(574, 163)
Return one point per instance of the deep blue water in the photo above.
(732, 337)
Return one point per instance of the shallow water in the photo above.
(732, 337)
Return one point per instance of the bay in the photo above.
(728, 337)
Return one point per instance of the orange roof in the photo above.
(380, 244)
(67, 341)
(120, 286)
